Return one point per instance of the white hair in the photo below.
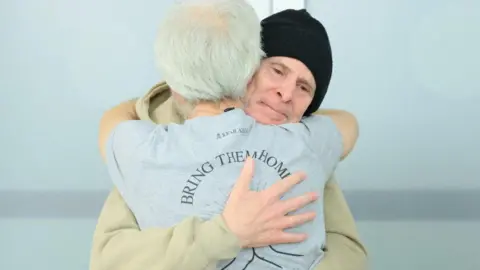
(208, 50)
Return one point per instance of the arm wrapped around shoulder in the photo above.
(347, 126)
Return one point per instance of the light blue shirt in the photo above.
(166, 173)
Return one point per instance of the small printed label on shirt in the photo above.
(233, 131)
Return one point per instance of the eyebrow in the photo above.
(300, 79)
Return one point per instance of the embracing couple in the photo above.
(244, 179)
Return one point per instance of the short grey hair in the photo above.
(208, 50)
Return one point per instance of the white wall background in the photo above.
(407, 69)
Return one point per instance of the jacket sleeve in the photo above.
(344, 251)
(118, 243)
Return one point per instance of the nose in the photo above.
(286, 92)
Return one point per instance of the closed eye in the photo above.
(277, 71)
(304, 88)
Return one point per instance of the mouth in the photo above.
(276, 115)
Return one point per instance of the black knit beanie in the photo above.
(296, 34)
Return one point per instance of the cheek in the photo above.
(253, 93)
(301, 106)
(306, 101)
(262, 83)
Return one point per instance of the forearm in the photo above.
(118, 243)
(344, 249)
(123, 111)
(328, 112)
(346, 124)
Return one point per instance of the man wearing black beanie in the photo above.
(297, 47)
(298, 51)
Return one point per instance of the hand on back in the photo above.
(259, 218)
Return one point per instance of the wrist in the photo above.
(218, 240)
(243, 242)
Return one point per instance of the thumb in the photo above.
(246, 176)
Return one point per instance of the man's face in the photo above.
(280, 92)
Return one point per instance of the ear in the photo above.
(180, 99)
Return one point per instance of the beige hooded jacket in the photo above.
(118, 243)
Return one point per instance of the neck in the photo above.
(214, 108)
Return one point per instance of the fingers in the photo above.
(284, 185)
(287, 238)
(274, 237)
(290, 205)
(291, 221)
(245, 178)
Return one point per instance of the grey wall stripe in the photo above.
(391, 205)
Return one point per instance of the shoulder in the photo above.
(128, 136)
(137, 130)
